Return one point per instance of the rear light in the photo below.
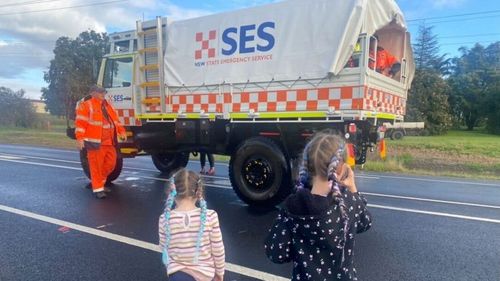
(352, 128)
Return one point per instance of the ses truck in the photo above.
(255, 84)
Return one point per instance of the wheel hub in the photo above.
(258, 174)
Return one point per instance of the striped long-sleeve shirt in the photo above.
(184, 227)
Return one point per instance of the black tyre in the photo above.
(259, 173)
(169, 163)
(397, 135)
(113, 176)
(118, 168)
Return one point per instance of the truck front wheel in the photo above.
(259, 172)
(169, 163)
(113, 176)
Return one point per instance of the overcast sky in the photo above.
(28, 31)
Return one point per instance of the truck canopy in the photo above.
(285, 41)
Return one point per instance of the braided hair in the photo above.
(321, 158)
(184, 184)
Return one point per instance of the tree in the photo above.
(71, 72)
(426, 50)
(428, 101)
(428, 96)
(475, 84)
(16, 110)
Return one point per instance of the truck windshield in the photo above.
(118, 73)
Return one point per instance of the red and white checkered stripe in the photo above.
(384, 102)
(127, 117)
(320, 99)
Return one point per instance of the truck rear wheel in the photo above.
(259, 173)
(113, 176)
(169, 163)
(397, 135)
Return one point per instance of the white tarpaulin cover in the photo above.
(283, 41)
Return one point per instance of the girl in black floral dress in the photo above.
(316, 228)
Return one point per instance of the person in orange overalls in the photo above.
(387, 64)
(98, 131)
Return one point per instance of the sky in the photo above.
(29, 28)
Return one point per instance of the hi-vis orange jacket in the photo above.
(89, 121)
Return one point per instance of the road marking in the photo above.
(434, 213)
(42, 164)
(37, 148)
(168, 180)
(230, 187)
(432, 200)
(133, 242)
(367, 177)
(41, 158)
(20, 157)
(441, 181)
(216, 163)
(9, 157)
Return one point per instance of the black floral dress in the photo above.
(310, 232)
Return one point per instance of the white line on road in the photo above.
(40, 158)
(230, 187)
(38, 148)
(216, 163)
(441, 181)
(9, 157)
(434, 213)
(41, 164)
(432, 200)
(167, 180)
(134, 242)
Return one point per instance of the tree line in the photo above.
(454, 92)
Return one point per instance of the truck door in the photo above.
(117, 79)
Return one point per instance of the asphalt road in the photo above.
(425, 228)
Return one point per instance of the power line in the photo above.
(64, 8)
(455, 20)
(28, 3)
(457, 15)
(469, 35)
(471, 42)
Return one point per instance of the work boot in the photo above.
(211, 172)
(100, 195)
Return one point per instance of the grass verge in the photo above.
(469, 154)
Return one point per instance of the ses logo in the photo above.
(238, 45)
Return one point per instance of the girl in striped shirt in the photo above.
(190, 236)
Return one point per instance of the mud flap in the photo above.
(382, 149)
(350, 155)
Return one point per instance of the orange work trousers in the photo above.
(102, 162)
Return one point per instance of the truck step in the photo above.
(149, 101)
(150, 84)
(148, 50)
(149, 67)
(147, 32)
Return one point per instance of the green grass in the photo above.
(455, 142)
(49, 131)
(471, 154)
(458, 153)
